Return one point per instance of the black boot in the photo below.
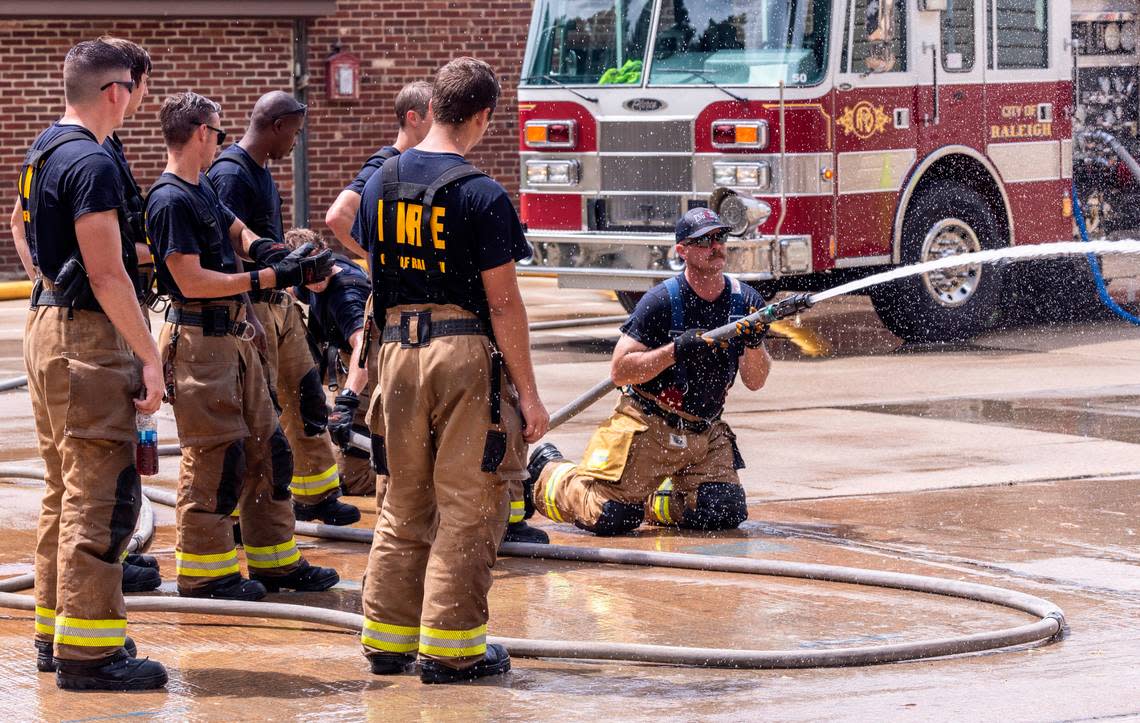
(141, 560)
(330, 511)
(137, 578)
(118, 672)
(306, 578)
(542, 455)
(495, 662)
(230, 587)
(522, 532)
(390, 663)
(45, 654)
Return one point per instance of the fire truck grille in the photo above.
(647, 173)
(636, 213)
(658, 136)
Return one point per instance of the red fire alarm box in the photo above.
(343, 77)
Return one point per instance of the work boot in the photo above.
(495, 662)
(542, 455)
(45, 654)
(141, 560)
(522, 532)
(118, 672)
(390, 663)
(137, 578)
(230, 587)
(306, 578)
(330, 511)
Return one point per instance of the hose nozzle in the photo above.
(789, 306)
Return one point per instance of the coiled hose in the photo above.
(1049, 626)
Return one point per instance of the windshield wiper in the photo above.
(704, 75)
(560, 84)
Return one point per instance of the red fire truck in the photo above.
(877, 132)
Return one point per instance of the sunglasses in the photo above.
(128, 84)
(706, 241)
(221, 133)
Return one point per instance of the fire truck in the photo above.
(842, 137)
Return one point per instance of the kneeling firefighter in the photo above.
(665, 452)
(234, 453)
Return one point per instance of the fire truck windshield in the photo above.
(741, 42)
(588, 42)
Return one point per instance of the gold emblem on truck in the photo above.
(863, 120)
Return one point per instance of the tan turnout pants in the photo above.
(635, 458)
(82, 377)
(234, 455)
(291, 368)
(445, 510)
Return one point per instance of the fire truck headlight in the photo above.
(724, 174)
(742, 175)
(552, 173)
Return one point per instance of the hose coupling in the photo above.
(788, 306)
(1062, 626)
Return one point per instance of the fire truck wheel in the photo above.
(629, 299)
(951, 305)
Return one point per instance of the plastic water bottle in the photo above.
(146, 452)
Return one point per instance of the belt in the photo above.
(673, 420)
(426, 329)
(269, 296)
(48, 297)
(213, 321)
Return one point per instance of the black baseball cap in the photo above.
(697, 222)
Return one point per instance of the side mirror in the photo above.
(740, 212)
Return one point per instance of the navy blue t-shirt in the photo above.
(707, 384)
(357, 186)
(176, 223)
(474, 228)
(337, 313)
(249, 191)
(78, 178)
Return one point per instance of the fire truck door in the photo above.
(951, 96)
(875, 128)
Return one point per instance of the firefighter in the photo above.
(413, 113)
(140, 572)
(245, 186)
(234, 454)
(91, 364)
(455, 348)
(665, 452)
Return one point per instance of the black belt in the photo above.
(673, 420)
(269, 296)
(426, 329)
(214, 320)
(47, 297)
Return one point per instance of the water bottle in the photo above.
(146, 452)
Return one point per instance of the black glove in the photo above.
(298, 269)
(340, 421)
(691, 346)
(751, 333)
(266, 251)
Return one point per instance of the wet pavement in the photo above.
(1011, 461)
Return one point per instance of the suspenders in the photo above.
(677, 306)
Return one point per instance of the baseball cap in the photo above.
(697, 222)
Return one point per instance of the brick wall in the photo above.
(235, 61)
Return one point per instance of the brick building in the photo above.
(235, 51)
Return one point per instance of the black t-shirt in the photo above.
(337, 313)
(475, 228)
(357, 186)
(134, 203)
(702, 388)
(78, 178)
(178, 223)
(248, 190)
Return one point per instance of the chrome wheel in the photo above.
(953, 286)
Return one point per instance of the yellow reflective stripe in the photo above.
(453, 643)
(45, 621)
(316, 477)
(661, 502)
(214, 565)
(453, 634)
(551, 488)
(518, 511)
(28, 182)
(91, 633)
(308, 486)
(390, 638)
(235, 513)
(480, 649)
(279, 555)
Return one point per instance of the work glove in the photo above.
(266, 251)
(340, 421)
(691, 346)
(751, 333)
(298, 269)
